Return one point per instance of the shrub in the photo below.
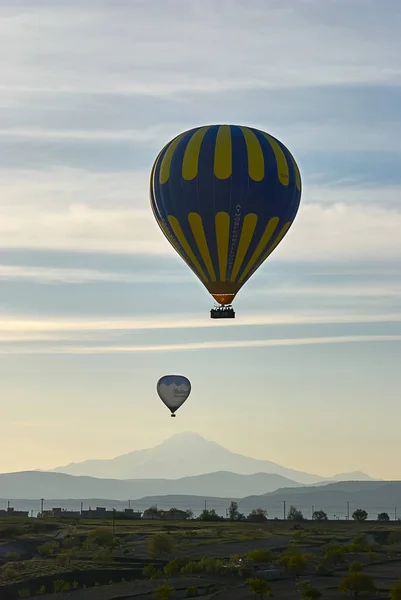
(24, 593)
(260, 556)
(48, 548)
(159, 544)
(11, 557)
(9, 573)
(192, 592)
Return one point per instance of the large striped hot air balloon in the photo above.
(225, 196)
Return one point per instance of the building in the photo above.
(10, 512)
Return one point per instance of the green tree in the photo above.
(357, 584)
(192, 591)
(171, 568)
(264, 557)
(233, 511)
(159, 544)
(259, 587)
(151, 512)
(383, 516)
(257, 515)
(309, 593)
(360, 514)
(102, 536)
(295, 515)
(319, 515)
(294, 562)
(395, 591)
(164, 592)
(209, 515)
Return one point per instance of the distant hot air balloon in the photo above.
(224, 197)
(173, 391)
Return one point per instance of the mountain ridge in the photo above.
(185, 454)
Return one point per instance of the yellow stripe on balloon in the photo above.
(191, 156)
(282, 165)
(223, 153)
(247, 231)
(297, 173)
(179, 234)
(222, 223)
(167, 158)
(270, 249)
(256, 161)
(264, 240)
(195, 222)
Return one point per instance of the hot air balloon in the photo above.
(173, 391)
(224, 196)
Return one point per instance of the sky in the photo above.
(95, 305)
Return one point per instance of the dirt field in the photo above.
(88, 560)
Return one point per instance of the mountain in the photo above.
(41, 484)
(182, 455)
(354, 476)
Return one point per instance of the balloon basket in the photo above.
(224, 311)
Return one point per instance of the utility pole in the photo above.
(114, 521)
(347, 511)
(284, 510)
(205, 504)
(395, 513)
(41, 506)
(82, 507)
(129, 503)
(8, 505)
(313, 510)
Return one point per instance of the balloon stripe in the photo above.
(168, 157)
(222, 221)
(264, 240)
(270, 249)
(247, 231)
(196, 224)
(256, 161)
(176, 227)
(282, 165)
(297, 173)
(223, 153)
(191, 156)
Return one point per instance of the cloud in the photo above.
(93, 350)
(28, 325)
(191, 47)
(77, 210)
(46, 275)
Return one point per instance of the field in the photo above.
(87, 560)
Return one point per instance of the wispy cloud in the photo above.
(350, 339)
(48, 275)
(335, 43)
(26, 325)
(78, 210)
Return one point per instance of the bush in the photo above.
(64, 559)
(322, 570)
(192, 592)
(159, 544)
(11, 557)
(356, 584)
(164, 592)
(150, 572)
(48, 548)
(171, 568)
(9, 573)
(259, 587)
(102, 536)
(260, 556)
(103, 555)
(24, 593)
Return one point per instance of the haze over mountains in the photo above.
(187, 455)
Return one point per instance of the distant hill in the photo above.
(183, 455)
(40, 484)
(375, 497)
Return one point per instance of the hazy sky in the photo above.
(94, 304)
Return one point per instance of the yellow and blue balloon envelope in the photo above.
(225, 196)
